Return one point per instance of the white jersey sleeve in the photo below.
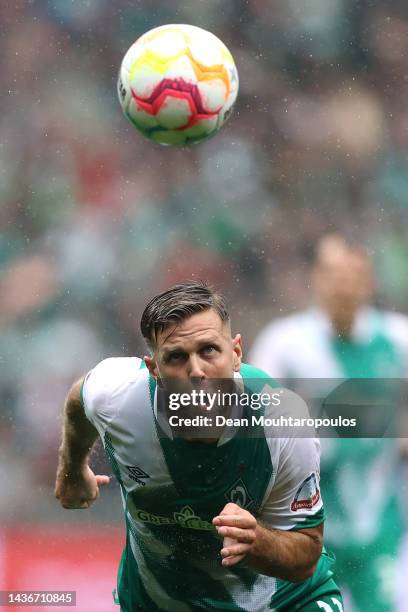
(271, 349)
(103, 384)
(295, 500)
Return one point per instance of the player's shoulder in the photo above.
(120, 367)
(396, 320)
(396, 328)
(114, 373)
(108, 384)
(289, 326)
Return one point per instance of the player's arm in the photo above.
(76, 485)
(289, 555)
(287, 541)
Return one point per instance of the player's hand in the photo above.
(238, 527)
(78, 489)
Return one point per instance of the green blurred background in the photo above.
(94, 220)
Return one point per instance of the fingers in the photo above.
(241, 535)
(243, 521)
(228, 559)
(235, 550)
(75, 505)
(102, 480)
(79, 504)
(227, 562)
(239, 531)
(78, 496)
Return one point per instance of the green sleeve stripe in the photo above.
(152, 389)
(256, 377)
(311, 521)
(249, 371)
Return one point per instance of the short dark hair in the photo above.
(177, 304)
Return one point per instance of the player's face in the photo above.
(343, 283)
(200, 347)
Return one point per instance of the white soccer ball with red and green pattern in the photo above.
(177, 84)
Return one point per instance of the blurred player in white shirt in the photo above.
(344, 336)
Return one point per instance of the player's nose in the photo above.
(195, 368)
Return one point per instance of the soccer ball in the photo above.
(177, 84)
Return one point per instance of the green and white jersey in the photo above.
(172, 489)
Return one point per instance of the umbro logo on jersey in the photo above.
(137, 474)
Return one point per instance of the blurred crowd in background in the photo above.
(95, 220)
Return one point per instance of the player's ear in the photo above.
(237, 348)
(151, 366)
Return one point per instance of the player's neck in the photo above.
(343, 326)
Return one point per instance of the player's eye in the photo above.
(209, 349)
(175, 357)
